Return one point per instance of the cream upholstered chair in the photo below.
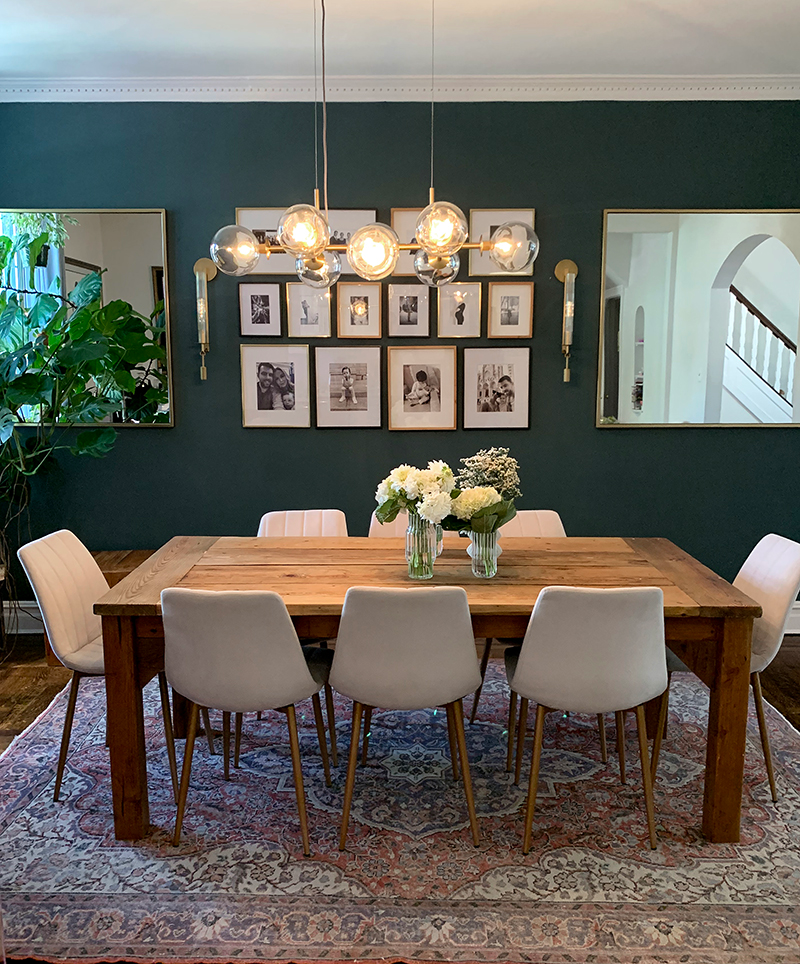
(528, 524)
(771, 576)
(384, 657)
(67, 582)
(237, 651)
(592, 651)
(304, 522)
(396, 529)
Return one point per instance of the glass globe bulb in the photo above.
(441, 228)
(320, 272)
(303, 230)
(436, 271)
(234, 250)
(373, 251)
(514, 246)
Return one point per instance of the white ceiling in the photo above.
(382, 49)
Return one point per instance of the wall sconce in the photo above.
(204, 271)
(567, 271)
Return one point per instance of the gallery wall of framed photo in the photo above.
(392, 365)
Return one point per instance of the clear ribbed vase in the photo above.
(420, 547)
(484, 554)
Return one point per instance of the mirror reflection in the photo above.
(84, 293)
(700, 318)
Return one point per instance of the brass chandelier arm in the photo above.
(268, 249)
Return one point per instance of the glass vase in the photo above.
(420, 547)
(484, 554)
(439, 540)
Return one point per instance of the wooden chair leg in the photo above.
(533, 782)
(601, 725)
(226, 744)
(258, 716)
(68, 718)
(755, 680)
(351, 772)
(451, 736)
(329, 712)
(297, 768)
(186, 771)
(209, 731)
(458, 720)
(237, 742)
(523, 724)
(321, 738)
(168, 734)
(487, 649)
(367, 730)
(641, 727)
(619, 717)
(660, 727)
(512, 722)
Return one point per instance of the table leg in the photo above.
(125, 715)
(727, 726)
(180, 715)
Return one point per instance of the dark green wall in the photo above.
(714, 492)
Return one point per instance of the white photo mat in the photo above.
(496, 387)
(348, 387)
(284, 401)
(409, 311)
(404, 224)
(359, 309)
(460, 310)
(510, 309)
(482, 222)
(264, 223)
(422, 388)
(259, 309)
(308, 311)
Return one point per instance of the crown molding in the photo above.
(509, 88)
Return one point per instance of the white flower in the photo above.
(469, 501)
(383, 492)
(434, 508)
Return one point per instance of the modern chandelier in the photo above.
(303, 230)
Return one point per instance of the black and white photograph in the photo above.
(409, 312)
(482, 224)
(260, 309)
(348, 387)
(275, 386)
(263, 222)
(460, 310)
(308, 310)
(422, 387)
(359, 310)
(496, 387)
(510, 309)
(404, 225)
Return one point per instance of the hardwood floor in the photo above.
(780, 681)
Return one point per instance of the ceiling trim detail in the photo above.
(516, 88)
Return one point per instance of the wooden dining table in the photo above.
(708, 624)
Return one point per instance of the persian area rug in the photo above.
(411, 886)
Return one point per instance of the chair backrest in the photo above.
(594, 650)
(233, 650)
(533, 523)
(67, 582)
(304, 522)
(396, 528)
(405, 649)
(771, 576)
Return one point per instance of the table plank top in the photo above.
(313, 575)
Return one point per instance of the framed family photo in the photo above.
(496, 387)
(422, 388)
(359, 310)
(348, 387)
(510, 309)
(404, 224)
(482, 224)
(275, 386)
(263, 222)
(460, 310)
(260, 309)
(409, 311)
(308, 310)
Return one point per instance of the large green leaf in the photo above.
(95, 442)
(87, 290)
(34, 248)
(7, 422)
(5, 251)
(42, 311)
(87, 349)
(10, 314)
(125, 380)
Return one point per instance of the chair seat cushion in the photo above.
(88, 659)
(675, 664)
(511, 658)
(319, 663)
